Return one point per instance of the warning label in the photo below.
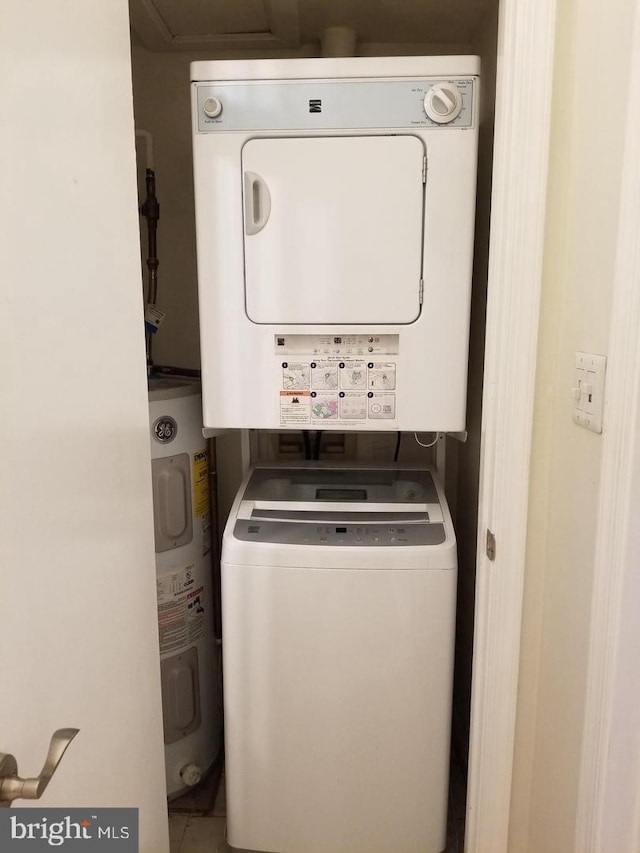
(200, 471)
(181, 609)
(294, 407)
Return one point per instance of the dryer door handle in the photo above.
(257, 203)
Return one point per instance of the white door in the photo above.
(78, 635)
(349, 210)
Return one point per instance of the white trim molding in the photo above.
(608, 815)
(523, 97)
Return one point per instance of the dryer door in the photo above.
(333, 229)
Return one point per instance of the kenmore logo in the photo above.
(315, 106)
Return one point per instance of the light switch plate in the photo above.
(589, 390)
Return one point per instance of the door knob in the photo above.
(12, 787)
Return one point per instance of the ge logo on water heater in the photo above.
(165, 429)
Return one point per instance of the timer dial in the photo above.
(443, 102)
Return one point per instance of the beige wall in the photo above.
(162, 107)
(592, 51)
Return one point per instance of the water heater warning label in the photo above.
(181, 609)
(347, 380)
(200, 472)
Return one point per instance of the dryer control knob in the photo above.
(212, 107)
(443, 102)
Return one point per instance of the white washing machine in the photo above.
(339, 592)
(335, 206)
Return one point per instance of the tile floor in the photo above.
(205, 833)
(202, 831)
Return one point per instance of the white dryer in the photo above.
(339, 590)
(335, 205)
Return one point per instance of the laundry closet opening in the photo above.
(166, 38)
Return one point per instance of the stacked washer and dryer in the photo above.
(335, 203)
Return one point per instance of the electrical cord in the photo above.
(316, 444)
(415, 435)
(397, 453)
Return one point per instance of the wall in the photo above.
(162, 106)
(583, 198)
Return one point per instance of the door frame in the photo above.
(526, 35)
(608, 816)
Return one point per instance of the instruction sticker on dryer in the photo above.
(295, 408)
(343, 380)
(381, 377)
(324, 407)
(324, 375)
(295, 376)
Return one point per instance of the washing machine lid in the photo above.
(340, 507)
(311, 489)
(349, 210)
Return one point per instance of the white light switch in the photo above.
(588, 392)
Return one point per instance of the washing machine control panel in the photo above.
(335, 104)
(343, 535)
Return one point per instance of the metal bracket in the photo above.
(491, 545)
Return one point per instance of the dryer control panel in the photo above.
(334, 105)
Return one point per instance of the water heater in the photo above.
(191, 701)
(335, 207)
